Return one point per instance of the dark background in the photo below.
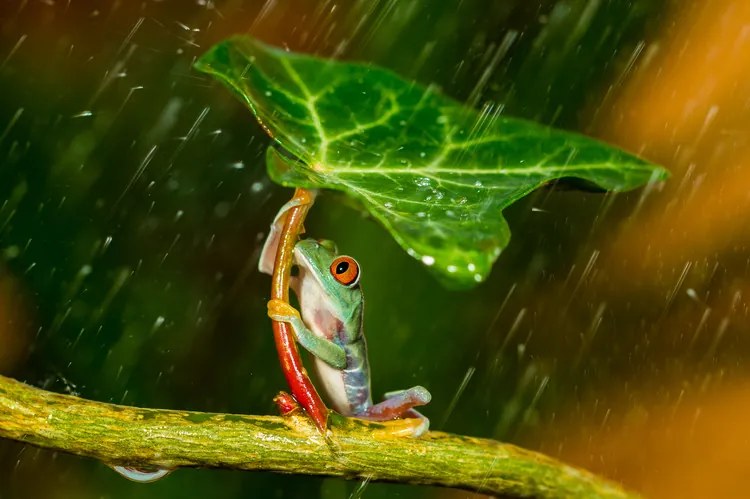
(612, 333)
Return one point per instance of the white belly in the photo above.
(332, 381)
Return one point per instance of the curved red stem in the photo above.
(289, 358)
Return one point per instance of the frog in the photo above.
(329, 325)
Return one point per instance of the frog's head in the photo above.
(336, 276)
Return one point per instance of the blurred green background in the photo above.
(133, 203)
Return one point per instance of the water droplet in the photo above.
(107, 242)
(428, 260)
(442, 119)
(478, 184)
(477, 277)
(83, 114)
(422, 154)
(388, 205)
(452, 268)
(421, 214)
(411, 252)
(140, 476)
(159, 322)
(238, 165)
(471, 267)
(256, 187)
(268, 93)
(221, 209)
(422, 182)
(12, 252)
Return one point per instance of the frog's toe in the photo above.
(279, 310)
(424, 425)
(418, 395)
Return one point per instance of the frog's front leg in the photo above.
(327, 351)
(268, 254)
(401, 404)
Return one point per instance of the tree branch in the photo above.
(120, 435)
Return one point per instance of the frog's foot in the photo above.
(286, 403)
(281, 311)
(141, 476)
(268, 255)
(401, 404)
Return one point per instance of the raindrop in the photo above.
(238, 165)
(140, 476)
(221, 210)
(159, 322)
(107, 242)
(11, 252)
(388, 205)
(83, 114)
(422, 182)
(256, 187)
(428, 260)
(452, 268)
(471, 267)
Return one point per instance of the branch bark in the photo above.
(120, 435)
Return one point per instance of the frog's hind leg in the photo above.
(401, 404)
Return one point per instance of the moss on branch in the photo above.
(353, 448)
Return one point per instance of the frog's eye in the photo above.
(345, 270)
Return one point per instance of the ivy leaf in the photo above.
(435, 173)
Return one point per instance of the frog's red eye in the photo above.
(345, 270)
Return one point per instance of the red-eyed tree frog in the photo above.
(330, 327)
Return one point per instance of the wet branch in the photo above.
(121, 435)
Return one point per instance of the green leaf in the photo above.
(435, 173)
